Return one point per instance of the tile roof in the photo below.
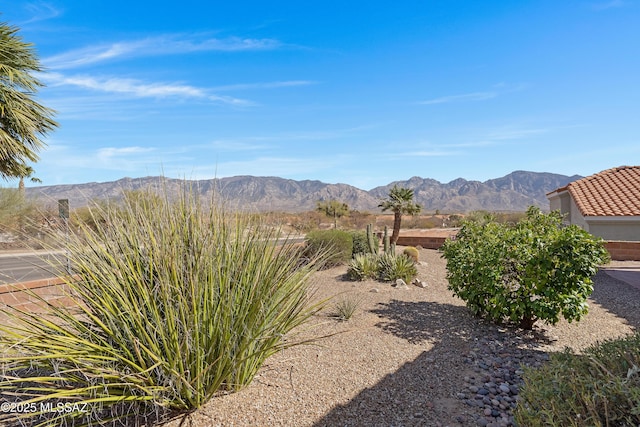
(612, 192)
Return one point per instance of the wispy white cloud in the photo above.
(110, 152)
(139, 89)
(469, 140)
(122, 158)
(170, 44)
(497, 89)
(265, 85)
(475, 96)
(40, 11)
(514, 132)
(64, 161)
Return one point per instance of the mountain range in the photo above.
(513, 192)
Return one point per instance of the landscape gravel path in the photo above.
(409, 357)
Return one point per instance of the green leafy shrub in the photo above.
(363, 267)
(175, 302)
(412, 253)
(336, 245)
(360, 242)
(392, 267)
(533, 270)
(598, 388)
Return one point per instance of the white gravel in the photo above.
(402, 360)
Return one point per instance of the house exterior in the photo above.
(606, 205)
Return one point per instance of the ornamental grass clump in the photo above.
(600, 387)
(174, 303)
(346, 308)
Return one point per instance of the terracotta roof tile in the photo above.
(613, 192)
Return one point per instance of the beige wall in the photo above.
(562, 202)
(626, 230)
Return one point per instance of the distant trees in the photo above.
(400, 201)
(333, 209)
(23, 121)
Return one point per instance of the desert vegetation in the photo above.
(178, 301)
(599, 387)
(533, 270)
(175, 301)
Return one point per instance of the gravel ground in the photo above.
(409, 357)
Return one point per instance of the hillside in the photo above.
(513, 192)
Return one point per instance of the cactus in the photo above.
(372, 240)
(412, 253)
(386, 240)
(389, 248)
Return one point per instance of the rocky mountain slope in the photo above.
(513, 192)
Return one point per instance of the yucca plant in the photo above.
(175, 302)
(345, 308)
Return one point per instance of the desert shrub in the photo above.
(384, 266)
(392, 267)
(337, 245)
(174, 303)
(345, 308)
(360, 243)
(600, 387)
(454, 220)
(363, 267)
(422, 221)
(412, 253)
(534, 270)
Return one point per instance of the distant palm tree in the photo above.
(22, 120)
(399, 201)
(27, 173)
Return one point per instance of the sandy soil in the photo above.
(401, 360)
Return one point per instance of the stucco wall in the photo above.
(615, 230)
(562, 202)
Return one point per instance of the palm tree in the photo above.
(400, 201)
(28, 173)
(23, 121)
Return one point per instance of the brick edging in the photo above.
(6, 288)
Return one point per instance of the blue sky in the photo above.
(354, 92)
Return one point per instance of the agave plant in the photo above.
(173, 303)
(392, 267)
(363, 266)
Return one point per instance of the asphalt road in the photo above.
(24, 267)
(27, 266)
